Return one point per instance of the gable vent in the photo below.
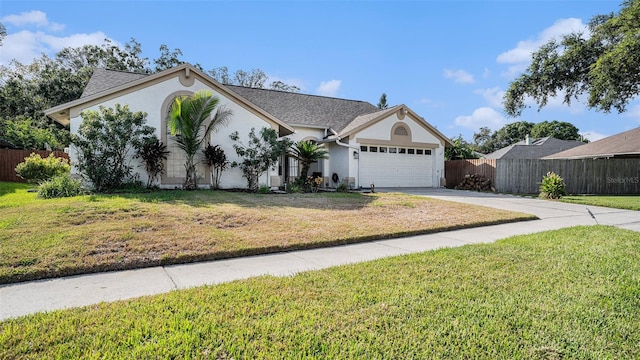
(400, 130)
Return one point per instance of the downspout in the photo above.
(357, 150)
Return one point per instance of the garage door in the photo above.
(395, 167)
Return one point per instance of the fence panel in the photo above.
(581, 176)
(10, 158)
(456, 170)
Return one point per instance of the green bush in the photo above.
(60, 186)
(342, 187)
(264, 189)
(35, 169)
(552, 186)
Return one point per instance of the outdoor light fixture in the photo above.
(356, 155)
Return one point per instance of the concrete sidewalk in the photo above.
(46, 295)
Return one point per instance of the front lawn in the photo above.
(571, 293)
(48, 238)
(629, 202)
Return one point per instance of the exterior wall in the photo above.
(340, 162)
(419, 137)
(154, 99)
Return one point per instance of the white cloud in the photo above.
(24, 46)
(329, 88)
(493, 96)
(35, 17)
(634, 113)
(459, 76)
(593, 135)
(484, 116)
(522, 52)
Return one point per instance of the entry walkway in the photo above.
(46, 295)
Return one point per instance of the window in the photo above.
(411, 151)
(363, 148)
(373, 149)
(402, 150)
(401, 130)
(393, 150)
(427, 152)
(383, 149)
(419, 151)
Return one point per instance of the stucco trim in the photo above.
(396, 142)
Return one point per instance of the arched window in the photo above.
(401, 130)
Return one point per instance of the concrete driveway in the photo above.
(47, 295)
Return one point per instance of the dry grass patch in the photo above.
(47, 238)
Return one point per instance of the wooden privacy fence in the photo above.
(456, 170)
(10, 158)
(581, 176)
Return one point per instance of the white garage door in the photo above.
(395, 167)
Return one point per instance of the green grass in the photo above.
(566, 294)
(57, 237)
(629, 202)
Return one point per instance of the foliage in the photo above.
(552, 186)
(382, 104)
(264, 189)
(217, 159)
(342, 187)
(557, 129)
(105, 142)
(167, 59)
(60, 186)
(153, 153)
(3, 33)
(255, 78)
(560, 294)
(191, 123)
(603, 64)
(35, 169)
(260, 154)
(461, 149)
(307, 153)
(23, 133)
(295, 188)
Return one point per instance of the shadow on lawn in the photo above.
(13, 187)
(207, 198)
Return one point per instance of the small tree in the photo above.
(308, 152)
(106, 142)
(382, 104)
(260, 154)
(217, 159)
(190, 122)
(153, 152)
(552, 186)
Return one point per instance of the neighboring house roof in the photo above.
(103, 79)
(538, 148)
(625, 144)
(304, 109)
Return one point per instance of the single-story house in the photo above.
(533, 148)
(623, 145)
(394, 147)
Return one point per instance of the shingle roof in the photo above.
(365, 118)
(104, 79)
(303, 109)
(539, 148)
(623, 144)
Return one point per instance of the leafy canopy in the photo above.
(308, 152)
(602, 64)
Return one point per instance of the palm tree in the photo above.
(190, 121)
(308, 152)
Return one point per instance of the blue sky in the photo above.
(450, 61)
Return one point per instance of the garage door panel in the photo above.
(395, 170)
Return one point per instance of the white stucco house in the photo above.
(394, 147)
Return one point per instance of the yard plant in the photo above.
(40, 239)
(566, 294)
(35, 169)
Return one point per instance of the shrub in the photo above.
(106, 142)
(153, 153)
(217, 159)
(60, 186)
(35, 169)
(342, 187)
(552, 186)
(264, 189)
